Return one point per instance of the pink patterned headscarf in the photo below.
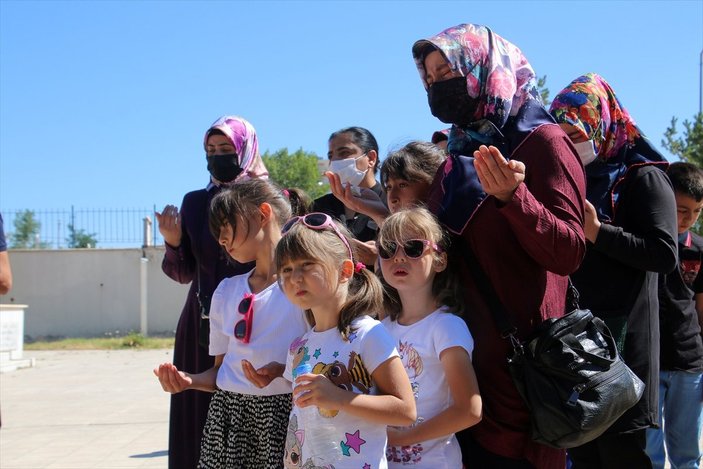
(497, 72)
(243, 136)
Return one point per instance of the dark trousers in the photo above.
(622, 450)
(475, 456)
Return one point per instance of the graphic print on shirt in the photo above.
(299, 352)
(340, 362)
(354, 375)
(412, 362)
(413, 365)
(689, 270)
(293, 455)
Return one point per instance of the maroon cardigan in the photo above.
(527, 247)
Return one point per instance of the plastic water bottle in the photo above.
(319, 431)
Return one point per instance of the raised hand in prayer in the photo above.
(169, 221)
(365, 201)
(499, 177)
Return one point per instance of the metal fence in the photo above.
(110, 228)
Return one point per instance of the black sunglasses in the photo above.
(413, 248)
(242, 329)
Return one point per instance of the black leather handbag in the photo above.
(569, 372)
(572, 379)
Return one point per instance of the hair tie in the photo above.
(358, 266)
(286, 193)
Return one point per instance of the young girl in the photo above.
(435, 345)
(357, 381)
(251, 321)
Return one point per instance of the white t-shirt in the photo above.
(348, 364)
(276, 322)
(420, 345)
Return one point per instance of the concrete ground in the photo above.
(85, 409)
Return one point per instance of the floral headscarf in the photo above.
(243, 136)
(590, 105)
(497, 72)
(500, 78)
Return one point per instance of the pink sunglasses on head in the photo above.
(317, 221)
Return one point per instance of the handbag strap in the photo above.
(203, 314)
(498, 312)
(572, 298)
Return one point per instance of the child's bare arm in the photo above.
(463, 413)
(174, 381)
(394, 405)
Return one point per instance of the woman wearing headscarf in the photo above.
(515, 198)
(194, 256)
(631, 229)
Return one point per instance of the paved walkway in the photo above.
(85, 409)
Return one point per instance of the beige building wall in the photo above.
(94, 292)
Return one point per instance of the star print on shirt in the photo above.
(354, 441)
(345, 448)
(317, 353)
(335, 354)
(352, 336)
(367, 466)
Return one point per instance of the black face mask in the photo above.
(224, 168)
(450, 101)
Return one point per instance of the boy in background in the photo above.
(681, 319)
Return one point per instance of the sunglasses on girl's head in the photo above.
(242, 329)
(413, 248)
(317, 221)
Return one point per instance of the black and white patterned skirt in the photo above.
(244, 431)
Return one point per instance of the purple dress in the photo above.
(198, 251)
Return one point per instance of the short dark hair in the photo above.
(687, 179)
(416, 161)
(440, 136)
(362, 138)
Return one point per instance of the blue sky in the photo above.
(103, 104)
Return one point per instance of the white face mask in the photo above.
(586, 151)
(347, 171)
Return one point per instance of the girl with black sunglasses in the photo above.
(251, 324)
(435, 345)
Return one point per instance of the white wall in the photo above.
(92, 292)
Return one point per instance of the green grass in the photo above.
(130, 341)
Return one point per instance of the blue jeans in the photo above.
(681, 404)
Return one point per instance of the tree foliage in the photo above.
(26, 234)
(543, 90)
(80, 239)
(689, 146)
(298, 169)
